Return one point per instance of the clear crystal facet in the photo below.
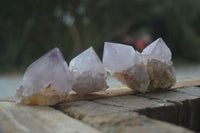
(117, 57)
(158, 50)
(46, 81)
(88, 72)
(126, 65)
(159, 66)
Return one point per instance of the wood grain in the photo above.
(131, 122)
(118, 109)
(120, 90)
(178, 106)
(16, 118)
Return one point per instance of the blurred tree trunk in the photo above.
(76, 39)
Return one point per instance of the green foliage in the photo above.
(29, 28)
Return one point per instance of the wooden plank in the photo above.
(120, 90)
(129, 103)
(98, 111)
(81, 109)
(132, 102)
(16, 118)
(96, 107)
(170, 96)
(189, 90)
(187, 82)
(106, 106)
(131, 122)
(192, 107)
(7, 99)
(117, 115)
(184, 112)
(181, 108)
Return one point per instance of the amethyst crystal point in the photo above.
(117, 57)
(88, 73)
(47, 81)
(159, 66)
(158, 50)
(126, 65)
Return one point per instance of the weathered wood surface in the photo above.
(120, 90)
(131, 122)
(16, 118)
(176, 107)
(116, 110)
(183, 111)
(187, 82)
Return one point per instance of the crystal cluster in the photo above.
(88, 73)
(126, 65)
(157, 57)
(47, 81)
(147, 71)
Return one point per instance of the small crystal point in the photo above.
(47, 81)
(126, 65)
(117, 57)
(158, 50)
(159, 66)
(88, 73)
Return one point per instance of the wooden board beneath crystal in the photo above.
(116, 110)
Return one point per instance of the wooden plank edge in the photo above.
(17, 118)
(122, 90)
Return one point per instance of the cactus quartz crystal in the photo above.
(126, 65)
(147, 71)
(88, 73)
(157, 58)
(47, 81)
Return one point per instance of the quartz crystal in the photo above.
(158, 50)
(47, 81)
(88, 73)
(157, 57)
(126, 65)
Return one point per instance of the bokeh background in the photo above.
(30, 28)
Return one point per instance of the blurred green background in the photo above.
(30, 28)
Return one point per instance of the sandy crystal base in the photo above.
(86, 83)
(157, 75)
(47, 97)
(135, 78)
(162, 75)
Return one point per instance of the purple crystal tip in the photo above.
(54, 53)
